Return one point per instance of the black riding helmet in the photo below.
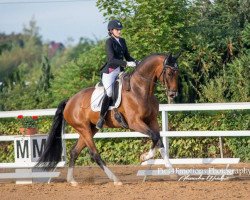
(115, 24)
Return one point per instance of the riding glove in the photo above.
(131, 64)
(137, 62)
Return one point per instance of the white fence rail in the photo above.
(164, 109)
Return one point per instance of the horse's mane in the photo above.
(145, 59)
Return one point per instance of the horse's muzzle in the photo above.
(172, 94)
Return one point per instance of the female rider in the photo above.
(116, 50)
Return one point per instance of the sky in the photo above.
(56, 19)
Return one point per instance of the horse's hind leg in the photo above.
(74, 153)
(97, 158)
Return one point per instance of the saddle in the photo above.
(98, 94)
(121, 83)
(125, 77)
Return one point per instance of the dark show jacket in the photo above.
(115, 54)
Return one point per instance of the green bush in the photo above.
(209, 147)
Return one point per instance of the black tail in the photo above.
(53, 150)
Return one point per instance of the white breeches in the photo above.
(108, 80)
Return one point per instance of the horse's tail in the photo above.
(53, 149)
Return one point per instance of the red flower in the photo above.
(35, 117)
(28, 121)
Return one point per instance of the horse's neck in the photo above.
(143, 80)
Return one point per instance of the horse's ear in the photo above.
(177, 55)
(170, 57)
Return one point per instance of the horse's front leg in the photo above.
(153, 132)
(154, 125)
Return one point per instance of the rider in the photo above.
(116, 50)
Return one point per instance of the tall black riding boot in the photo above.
(104, 109)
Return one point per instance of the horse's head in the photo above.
(169, 75)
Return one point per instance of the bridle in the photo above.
(173, 67)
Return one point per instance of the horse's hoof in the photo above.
(144, 157)
(118, 183)
(73, 183)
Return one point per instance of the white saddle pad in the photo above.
(97, 97)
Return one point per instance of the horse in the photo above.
(139, 107)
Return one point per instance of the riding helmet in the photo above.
(115, 24)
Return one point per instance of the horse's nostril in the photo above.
(172, 94)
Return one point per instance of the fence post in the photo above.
(221, 147)
(165, 129)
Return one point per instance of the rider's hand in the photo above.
(131, 64)
(137, 62)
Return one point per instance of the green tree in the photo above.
(79, 73)
(233, 86)
(83, 45)
(18, 49)
(46, 77)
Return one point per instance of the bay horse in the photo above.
(139, 107)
